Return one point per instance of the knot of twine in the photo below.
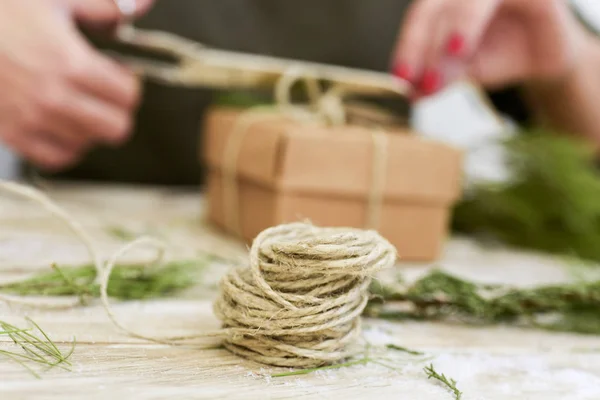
(299, 302)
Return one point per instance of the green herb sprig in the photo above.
(447, 382)
(127, 282)
(36, 348)
(366, 359)
(440, 295)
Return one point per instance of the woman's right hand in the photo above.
(58, 96)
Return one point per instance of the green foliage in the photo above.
(133, 282)
(120, 233)
(240, 99)
(404, 350)
(366, 359)
(438, 295)
(551, 204)
(585, 321)
(34, 347)
(450, 384)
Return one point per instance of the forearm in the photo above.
(572, 105)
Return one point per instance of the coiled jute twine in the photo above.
(297, 303)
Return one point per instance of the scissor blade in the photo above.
(199, 66)
(248, 70)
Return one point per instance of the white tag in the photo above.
(458, 117)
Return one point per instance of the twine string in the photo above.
(378, 179)
(324, 109)
(296, 304)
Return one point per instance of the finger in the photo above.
(494, 64)
(99, 120)
(63, 129)
(104, 11)
(69, 135)
(456, 39)
(468, 22)
(77, 114)
(43, 151)
(73, 112)
(414, 36)
(433, 77)
(52, 154)
(102, 77)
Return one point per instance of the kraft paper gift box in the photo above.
(275, 170)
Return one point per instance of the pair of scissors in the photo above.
(196, 65)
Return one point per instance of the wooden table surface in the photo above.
(488, 363)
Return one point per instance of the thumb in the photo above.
(501, 60)
(103, 11)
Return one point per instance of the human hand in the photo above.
(493, 42)
(59, 96)
(101, 13)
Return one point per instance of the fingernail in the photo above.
(403, 71)
(456, 45)
(431, 81)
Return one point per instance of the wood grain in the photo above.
(488, 363)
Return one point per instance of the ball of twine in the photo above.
(298, 303)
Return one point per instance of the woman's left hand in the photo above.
(493, 42)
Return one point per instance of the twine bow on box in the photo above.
(324, 109)
(200, 66)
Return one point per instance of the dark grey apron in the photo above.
(164, 146)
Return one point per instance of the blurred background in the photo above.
(455, 116)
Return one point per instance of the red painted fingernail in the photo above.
(456, 45)
(402, 71)
(431, 81)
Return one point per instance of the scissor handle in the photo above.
(177, 48)
(158, 42)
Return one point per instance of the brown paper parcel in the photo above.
(289, 171)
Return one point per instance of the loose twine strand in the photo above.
(299, 300)
(296, 304)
